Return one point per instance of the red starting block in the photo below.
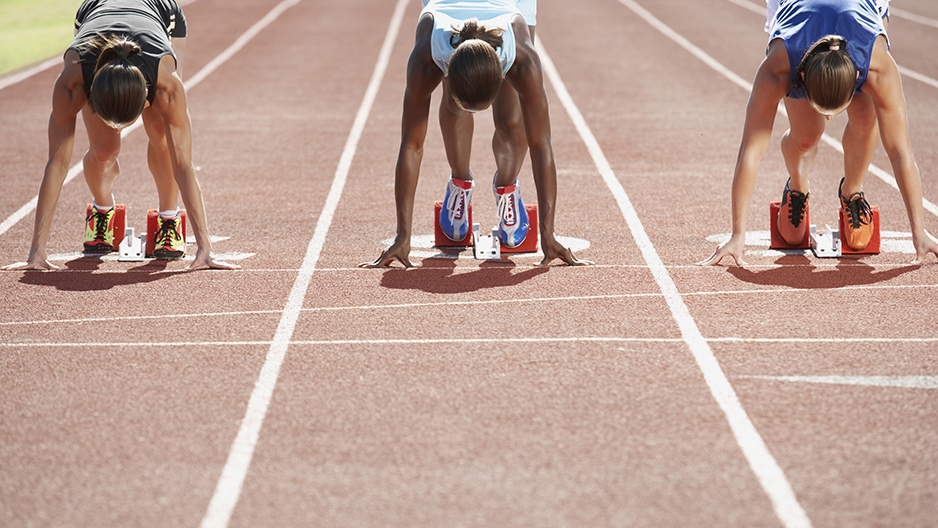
(777, 241)
(153, 225)
(529, 245)
(873, 247)
(119, 223)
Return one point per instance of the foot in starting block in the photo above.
(440, 239)
(777, 242)
(873, 247)
(95, 244)
(153, 227)
(530, 244)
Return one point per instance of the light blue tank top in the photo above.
(490, 14)
(800, 23)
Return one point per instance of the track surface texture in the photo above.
(302, 390)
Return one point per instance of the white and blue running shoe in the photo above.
(454, 215)
(512, 216)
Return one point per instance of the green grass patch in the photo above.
(34, 30)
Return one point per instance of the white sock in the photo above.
(105, 208)
(170, 213)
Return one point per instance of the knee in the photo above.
(800, 143)
(103, 154)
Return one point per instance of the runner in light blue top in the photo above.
(470, 47)
(845, 65)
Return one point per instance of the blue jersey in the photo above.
(800, 23)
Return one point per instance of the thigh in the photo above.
(862, 111)
(806, 124)
(104, 141)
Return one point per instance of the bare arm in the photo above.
(769, 87)
(884, 86)
(68, 98)
(527, 78)
(170, 103)
(423, 76)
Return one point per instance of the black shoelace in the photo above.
(858, 211)
(100, 223)
(796, 212)
(166, 233)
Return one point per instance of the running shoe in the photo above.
(791, 214)
(454, 215)
(858, 219)
(169, 243)
(99, 231)
(512, 216)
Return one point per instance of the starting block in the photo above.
(483, 244)
(486, 247)
(153, 226)
(132, 247)
(826, 243)
(119, 222)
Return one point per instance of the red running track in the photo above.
(304, 391)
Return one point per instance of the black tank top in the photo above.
(149, 23)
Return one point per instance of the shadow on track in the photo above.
(149, 271)
(796, 271)
(435, 275)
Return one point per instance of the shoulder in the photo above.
(777, 62)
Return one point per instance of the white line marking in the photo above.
(228, 489)
(905, 382)
(902, 13)
(29, 72)
(191, 83)
(763, 464)
(494, 340)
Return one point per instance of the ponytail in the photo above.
(118, 88)
(475, 69)
(827, 73)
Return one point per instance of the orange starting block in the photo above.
(530, 244)
(826, 242)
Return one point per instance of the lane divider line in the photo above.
(193, 81)
(231, 480)
(763, 464)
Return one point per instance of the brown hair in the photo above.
(118, 89)
(827, 73)
(475, 70)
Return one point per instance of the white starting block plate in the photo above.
(132, 248)
(826, 243)
(486, 247)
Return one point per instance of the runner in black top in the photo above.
(126, 61)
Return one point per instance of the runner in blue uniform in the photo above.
(824, 57)
(125, 61)
(470, 46)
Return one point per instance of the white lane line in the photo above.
(228, 489)
(191, 83)
(763, 464)
(905, 382)
(29, 72)
(490, 302)
(912, 17)
(493, 340)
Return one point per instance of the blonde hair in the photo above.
(118, 88)
(827, 73)
(475, 69)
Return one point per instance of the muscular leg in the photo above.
(860, 138)
(800, 142)
(159, 160)
(100, 164)
(457, 126)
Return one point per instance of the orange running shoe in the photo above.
(791, 215)
(858, 219)
(99, 231)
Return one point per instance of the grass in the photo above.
(32, 31)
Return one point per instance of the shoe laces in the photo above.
(858, 210)
(167, 232)
(507, 210)
(100, 222)
(797, 202)
(456, 204)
